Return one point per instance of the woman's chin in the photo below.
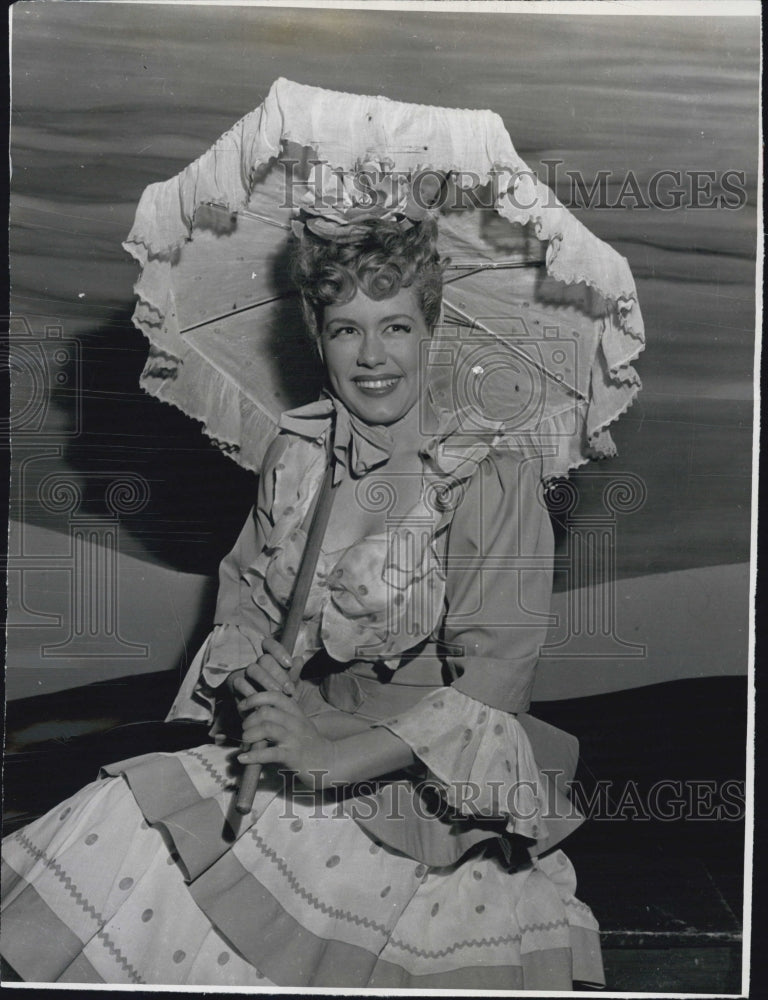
(384, 410)
(377, 418)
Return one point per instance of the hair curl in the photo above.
(381, 261)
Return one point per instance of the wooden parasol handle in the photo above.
(322, 511)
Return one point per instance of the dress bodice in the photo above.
(385, 593)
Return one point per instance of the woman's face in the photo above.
(371, 352)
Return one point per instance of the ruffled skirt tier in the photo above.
(147, 876)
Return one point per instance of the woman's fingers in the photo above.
(257, 728)
(271, 709)
(280, 654)
(262, 699)
(242, 686)
(268, 714)
(277, 719)
(272, 713)
(233, 679)
(267, 673)
(243, 690)
(271, 672)
(262, 755)
(278, 651)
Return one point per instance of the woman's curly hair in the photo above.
(381, 261)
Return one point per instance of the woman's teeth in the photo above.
(377, 383)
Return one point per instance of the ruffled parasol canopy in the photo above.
(540, 320)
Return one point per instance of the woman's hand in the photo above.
(296, 741)
(269, 673)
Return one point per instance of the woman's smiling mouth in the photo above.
(377, 386)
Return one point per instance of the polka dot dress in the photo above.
(302, 896)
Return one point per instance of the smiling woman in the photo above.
(371, 352)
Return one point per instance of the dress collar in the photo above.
(357, 446)
(361, 447)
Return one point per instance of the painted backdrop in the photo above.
(115, 492)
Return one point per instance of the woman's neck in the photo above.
(411, 432)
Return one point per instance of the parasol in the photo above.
(540, 321)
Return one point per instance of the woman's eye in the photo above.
(343, 331)
(398, 328)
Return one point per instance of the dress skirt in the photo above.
(148, 876)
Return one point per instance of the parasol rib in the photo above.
(236, 312)
(248, 214)
(476, 268)
(492, 265)
(477, 325)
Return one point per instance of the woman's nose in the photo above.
(372, 351)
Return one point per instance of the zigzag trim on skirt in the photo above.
(310, 897)
(227, 785)
(39, 855)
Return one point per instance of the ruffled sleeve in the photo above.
(498, 567)
(478, 758)
(239, 624)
